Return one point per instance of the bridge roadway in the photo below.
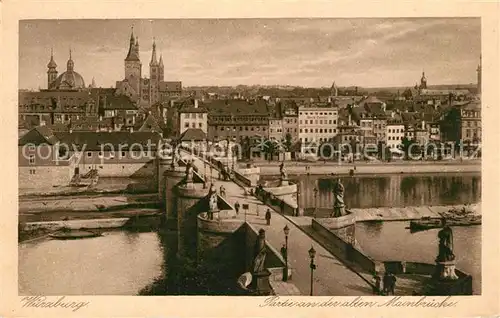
(331, 278)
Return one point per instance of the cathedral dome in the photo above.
(68, 80)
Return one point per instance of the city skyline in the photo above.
(229, 52)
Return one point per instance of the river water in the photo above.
(391, 190)
(130, 263)
(117, 263)
(391, 241)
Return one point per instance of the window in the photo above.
(89, 154)
(200, 115)
(186, 125)
(300, 130)
(32, 159)
(200, 125)
(334, 122)
(32, 171)
(100, 167)
(222, 129)
(123, 154)
(100, 154)
(193, 125)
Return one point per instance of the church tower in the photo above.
(334, 92)
(161, 77)
(52, 72)
(479, 75)
(423, 81)
(154, 74)
(133, 65)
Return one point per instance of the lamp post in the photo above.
(315, 190)
(312, 254)
(286, 230)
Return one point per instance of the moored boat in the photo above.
(431, 223)
(70, 234)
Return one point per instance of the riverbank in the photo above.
(31, 228)
(403, 167)
(94, 203)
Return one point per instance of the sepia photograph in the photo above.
(250, 157)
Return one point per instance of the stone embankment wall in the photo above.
(462, 286)
(343, 245)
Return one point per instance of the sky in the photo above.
(219, 52)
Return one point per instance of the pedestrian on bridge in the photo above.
(392, 284)
(222, 191)
(378, 282)
(237, 207)
(268, 217)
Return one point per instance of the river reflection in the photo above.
(392, 190)
(117, 263)
(391, 241)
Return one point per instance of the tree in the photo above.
(270, 149)
(408, 146)
(288, 141)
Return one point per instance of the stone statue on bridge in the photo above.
(338, 205)
(259, 253)
(445, 259)
(445, 236)
(189, 171)
(283, 174)
(212, 199)
(175, 157)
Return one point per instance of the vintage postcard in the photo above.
(301, 159)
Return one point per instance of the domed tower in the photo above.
(52, 72)
(423, 81)
(133, 64)
(69, 80)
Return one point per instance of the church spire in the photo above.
(161, 60)
(153, 54)
(70, 65)
(52, 63)
(133, 50)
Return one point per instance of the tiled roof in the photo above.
(39, 135)
(238, 107)
(170, 86)
(193, 134)
(119, 102)
(95, 140)
(58, 127)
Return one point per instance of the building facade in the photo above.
(290, 122)
(194, 117)
(395, 132)
(317, 124)
(276, 129)
(237, 119)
